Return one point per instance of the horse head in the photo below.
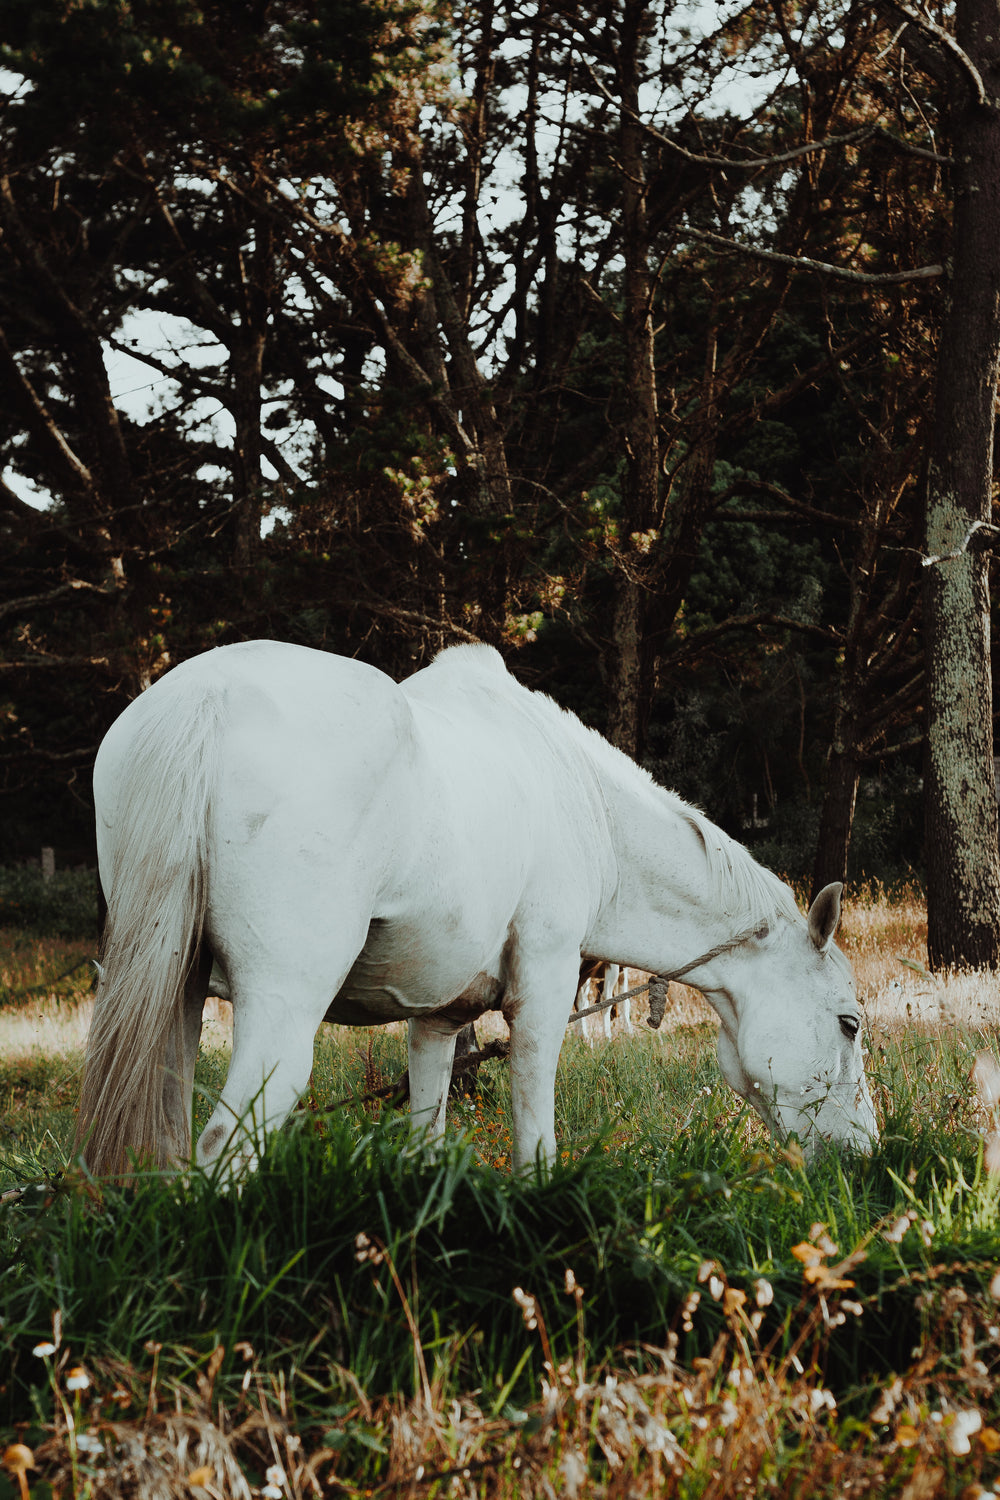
(790, 1042)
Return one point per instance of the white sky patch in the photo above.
(138, 388)
(26, 490)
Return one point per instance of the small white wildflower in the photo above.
(819, 1399)
(728, 1413)
(961, 1430)
(888, 1401)
(275, 1474)
(366, 1249)
(894, 1234)
(44, 1349)
(716, 1286)
(763, 1292)
(87, 1444)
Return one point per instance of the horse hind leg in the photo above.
(273, 1034)
(431, 1051)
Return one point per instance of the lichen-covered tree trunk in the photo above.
(963, 867)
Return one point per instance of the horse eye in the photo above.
(850, 1026)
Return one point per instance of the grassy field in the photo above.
(679, 1308)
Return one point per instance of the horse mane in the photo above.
(745, 890)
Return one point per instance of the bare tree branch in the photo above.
(45, 426)
(928, 25)
(71, 586)
(44, 659)
(415, 617)
(806, 263)
(757, 622)
(790, 503)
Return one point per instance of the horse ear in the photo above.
(824, 915)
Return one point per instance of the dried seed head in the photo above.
(528, 1306)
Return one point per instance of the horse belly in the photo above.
(408, 971)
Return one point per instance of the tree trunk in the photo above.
(963, 868)
(837, 819)
(631, 665)
(247, 366)
(247, 348)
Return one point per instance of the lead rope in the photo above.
(657, 983)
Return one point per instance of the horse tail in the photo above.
(156, 900)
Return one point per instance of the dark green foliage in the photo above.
(63, 906)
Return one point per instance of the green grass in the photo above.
(166, 1273)
(669, 1226)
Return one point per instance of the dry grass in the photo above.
(740, 1422)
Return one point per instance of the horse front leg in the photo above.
(431, 1054)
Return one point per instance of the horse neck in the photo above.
(666, 908)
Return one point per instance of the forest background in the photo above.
(613, 334)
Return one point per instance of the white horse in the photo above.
(352, 850)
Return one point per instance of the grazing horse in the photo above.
(348, 849)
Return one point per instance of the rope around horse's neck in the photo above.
(657, 983)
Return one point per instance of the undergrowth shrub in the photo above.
(63, 906)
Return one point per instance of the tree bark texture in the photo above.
(963, 867)
(837, 818)
(631, 661)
